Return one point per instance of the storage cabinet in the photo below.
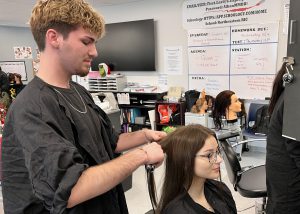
(169, 114)
(110, 83)
(134, 116)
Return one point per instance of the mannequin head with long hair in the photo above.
(227, 105)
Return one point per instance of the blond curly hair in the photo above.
(64, 16)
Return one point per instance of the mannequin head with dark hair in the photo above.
(227, 105)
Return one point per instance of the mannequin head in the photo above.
(200, 106)
(227, 105)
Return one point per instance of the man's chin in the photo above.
(83, 73)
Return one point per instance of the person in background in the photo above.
(60, 150)
(16, 84)
(11, 78)
(189, 185)
(4, 82)
(282, 158)
(4, 96)
(18, 79)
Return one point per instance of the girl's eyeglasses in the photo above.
(212, 156)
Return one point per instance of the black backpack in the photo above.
(262, 120)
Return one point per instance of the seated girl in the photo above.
(192, 165)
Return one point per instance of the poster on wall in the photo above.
(36, 62)
(18, 67)
(22, 52)
(241, 58)
(173, 60)
(219, 13)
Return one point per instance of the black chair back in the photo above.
(252, 113)
(249, 131)
(251, 182)
(231, 162)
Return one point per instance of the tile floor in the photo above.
(138, 199)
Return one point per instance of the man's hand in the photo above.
(154, 153)
(153, 136)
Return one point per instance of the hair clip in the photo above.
(289, 60)
(150, 168)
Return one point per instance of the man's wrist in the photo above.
(145, 153)
(145, 135)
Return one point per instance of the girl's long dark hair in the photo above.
(222, 102)
(278, 88)
(180, 148)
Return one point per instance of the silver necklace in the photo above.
(82, 112)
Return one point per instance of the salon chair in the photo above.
(248, 132)
(250, 181)
(251, 117)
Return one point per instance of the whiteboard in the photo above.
(253, 59)
(209, 60)
(210, 36)
(252, 86)
(213, 84)
(239, 58)
(18, 67)
(209, 14)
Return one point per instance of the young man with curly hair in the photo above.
(60, 150)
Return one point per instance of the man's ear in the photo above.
(53, 38)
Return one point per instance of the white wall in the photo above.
(16, 36)
(167, 15)
(169, 32)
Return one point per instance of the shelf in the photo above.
(137, 106)
(167, 124)
(175, 114)
(135, 124)
(102, 84)
(140, 105)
